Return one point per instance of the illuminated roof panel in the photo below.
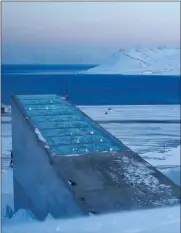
(65, 128)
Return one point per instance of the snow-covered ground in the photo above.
(165, 220)
(156, 139)
(158, 60)
(148, 130)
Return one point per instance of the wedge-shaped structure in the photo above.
(67, 165)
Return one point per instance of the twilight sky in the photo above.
(84, 32)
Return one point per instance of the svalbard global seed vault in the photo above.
(67, 165)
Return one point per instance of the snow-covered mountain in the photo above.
(158, 60)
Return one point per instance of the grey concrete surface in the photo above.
(42, 191)
(73, 185)
(107, 182)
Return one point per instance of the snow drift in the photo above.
(159, 60)
(164, 220)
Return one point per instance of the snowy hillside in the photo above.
(158, 60)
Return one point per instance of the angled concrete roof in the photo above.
(101, 173)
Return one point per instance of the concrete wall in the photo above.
(37, 185)
(71, 185)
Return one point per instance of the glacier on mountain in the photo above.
(158, 60)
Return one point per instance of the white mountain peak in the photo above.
(156, 60)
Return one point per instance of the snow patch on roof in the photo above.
(137, 174)
(40, 136)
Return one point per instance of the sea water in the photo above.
(89, 89)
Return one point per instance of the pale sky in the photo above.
(84, 32)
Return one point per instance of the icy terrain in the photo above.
(146, 61)
(152, 131)
(165, 220)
